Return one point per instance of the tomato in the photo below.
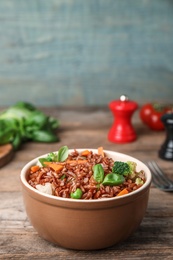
(155, 121)
(151, 115)
(145, 112)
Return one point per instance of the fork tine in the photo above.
(159, 179)
(157, 183)
(161, 174)
(155, 178)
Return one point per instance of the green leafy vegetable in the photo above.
(124, 168)
(98, 173)
(121, 168)
(77, 194)
(42, 160)
(52, 157)
(59, 156)
(23, 122)
(43, 136)
(62, 153)
(63, 177)
(112, 179)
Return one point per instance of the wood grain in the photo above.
(6, 154)
(86, 127)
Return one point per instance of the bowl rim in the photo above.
(147, 171)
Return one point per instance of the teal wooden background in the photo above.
(74, 52)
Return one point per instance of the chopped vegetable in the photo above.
(47, 188)
(125, 168)
(23, 122)
(132, 167)
(123, 192)
(85, 177)
(63, 177)
(121, 168)
(139, 181)
(77, 194)
(56, 167)
(85, 153)
(101, 151)
(35, 168)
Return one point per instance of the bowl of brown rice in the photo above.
(85, 199)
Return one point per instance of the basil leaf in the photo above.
(52, 157)
(62, 154)
(98, 173)
(42, 160)
(43, 136)
(113, 179)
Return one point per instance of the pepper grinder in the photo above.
(166, 150)
(122, 130)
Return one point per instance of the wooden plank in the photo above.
(6, 154)
(81, 128)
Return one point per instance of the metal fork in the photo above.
(160, 180)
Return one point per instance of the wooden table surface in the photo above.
(86, 128)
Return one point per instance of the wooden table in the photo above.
(86, 128)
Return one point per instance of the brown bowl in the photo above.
(86, 224)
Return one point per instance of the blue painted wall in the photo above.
(74, 52)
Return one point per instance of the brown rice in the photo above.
(73, 176)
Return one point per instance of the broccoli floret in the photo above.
(121, 168)
(139, 181)
(132, 167)
(124, 168)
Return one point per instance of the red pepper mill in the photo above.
(122, 130)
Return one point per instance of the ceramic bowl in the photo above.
(86, 224)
